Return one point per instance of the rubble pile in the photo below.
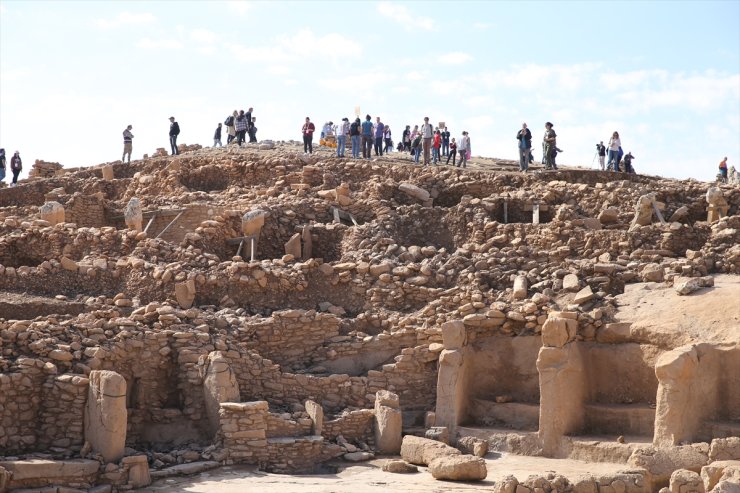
(44, 169)
(256, 305)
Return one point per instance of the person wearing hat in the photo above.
(127, 144)
(342, 132)
(549, 142)
(174, 132)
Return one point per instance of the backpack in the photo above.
(416, 142)
(229, 121)
(354, 129)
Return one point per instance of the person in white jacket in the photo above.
(463, 147)
(614, 145)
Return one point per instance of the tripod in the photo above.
(594, 159)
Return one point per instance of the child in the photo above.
(453, 152)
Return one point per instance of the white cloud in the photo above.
(292, 49)
(277, 70)
(203, 36)
(455, 58)
(125, 18)
(410, 20)
(159, 44)
(240, 7)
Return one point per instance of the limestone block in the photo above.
(472, 445)
(107, 172)
(451, 389)
(253, 221)
(681, 214)
(609, 215)
(459, 468)
(422, 451)
(685, 481)
(133, 214)
(307, 243)
(644, 210)
(52, 212)
(358, 456)
(584, 295)
(685, 286)
(293, 246)
(438, 433)
(725, 449)
(106, 415)
(4, 479)
(388, 423)
(219, 385)
(453, 334)
(729, 482)
(661, 462)
(138, 473)
(676, 415)
(342, 190)
(571, 282)
(185, 293)
(520, 287)
(399, 467)
(652, 273)
(557, 331)
(69, 264)
(711, 474)
(414, 191)
(715, 197)
(316, 413)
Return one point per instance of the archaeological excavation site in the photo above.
(254, 313)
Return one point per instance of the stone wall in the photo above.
(354, 426)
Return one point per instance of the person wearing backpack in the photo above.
(354, 135)
(16, 165)
(416, 148)
(230, 129)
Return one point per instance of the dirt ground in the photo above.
(369, 478)
(707, 315)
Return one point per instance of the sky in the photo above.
(664, 74)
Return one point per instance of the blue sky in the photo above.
(665, 74)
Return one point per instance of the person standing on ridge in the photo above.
(251, 130)
(2, 164)
(436, 145)
(614, 144)
(723, 169)
(406, 138)
(217, 137)
(388, 139)
(308, 129)
(342, 132)
(354, 135)
(16, 165)
(174, 132)
(379, 129)
(453, 152)
(601, 151)
(427, 133)
(464, 149)
(230, 129)
(241, 125)
(127, 143)
(549, 142)
(524, 136)
(445, 142)
(367, 137)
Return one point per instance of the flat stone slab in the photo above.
(30, 472)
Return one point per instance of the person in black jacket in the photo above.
(217, 137)
(16, 165)
(524, 136)
(174, 132)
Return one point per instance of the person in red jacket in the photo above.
(436, 144)
(308, 130)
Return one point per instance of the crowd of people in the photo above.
(16, 166)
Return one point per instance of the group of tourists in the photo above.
(618, 161)
(238, 125)
(16, 166)
(727, 176)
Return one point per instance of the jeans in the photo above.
(16, 172)
(173, 144)
(378, 146)
(613, 158)
(549, 158)
(308, 144)
(435, 154)
(601, 162)
(341, 144)
(427, 148)
(388, 145)
(217, 142)
(252, 135)
(367, 146)
(523, 159)
(453, 155)
(241, 136)
(463, 158)
(445, 148)
(356, 146)
(417, 153)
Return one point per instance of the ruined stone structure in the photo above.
(257, 306)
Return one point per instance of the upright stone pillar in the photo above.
(388, 423)
(307, 242)
(185, 293)
(252, 223)
(316, 413)
(107, 172)
(717, 206)
(133, 214)
(106, 415)
(53, 212)
(676, 408)
(452, 378)
(219, 385)
(293, 246)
